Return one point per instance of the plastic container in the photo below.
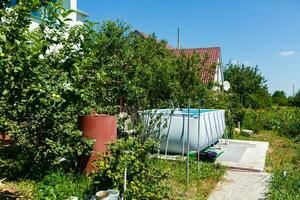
(113, 194)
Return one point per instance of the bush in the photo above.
(143, 182)
(281, 119)
(59, 185)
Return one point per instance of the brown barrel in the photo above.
(5, 140)
(102, 128)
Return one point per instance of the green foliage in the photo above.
(279, 98)
(143, 182)
(12, 164)
(52, 74)
(284, 120)
(248, 84)
(40, 89)
(202, 181)
(63, 186)
(285, 184)
(295, 101)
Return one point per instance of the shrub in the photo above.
(142, 181)
(59, 185)
(282, 119)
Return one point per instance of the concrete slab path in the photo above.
(242, 186)
(244, 154)
(245, 179)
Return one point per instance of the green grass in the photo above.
(27, 189)
(54, 186)
(283, 160)
(201, 183)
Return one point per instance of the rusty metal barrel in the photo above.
(102, 128)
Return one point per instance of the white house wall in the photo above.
(69, 5)
(218, 75)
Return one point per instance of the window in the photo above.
(12, 3)
(38, 13)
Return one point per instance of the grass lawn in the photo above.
(202, 182)
(200, 186)
(283, 160)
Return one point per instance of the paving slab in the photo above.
(242, 185)
(250, 155)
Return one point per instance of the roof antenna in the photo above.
(178, 39)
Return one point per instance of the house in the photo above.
(211, 67)
(77, 18)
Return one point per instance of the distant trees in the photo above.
(279, 98)
(248, 86)
(295, 100)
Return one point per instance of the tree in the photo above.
(249, 85)
(295, 100)
(279, 98)
(53, 74)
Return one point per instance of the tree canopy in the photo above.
(279, 98)
(249, 85)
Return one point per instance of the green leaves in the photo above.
(2, 37)
(52, 74)
(249, 85)
(142, 181)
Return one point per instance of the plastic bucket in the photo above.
(113, 194)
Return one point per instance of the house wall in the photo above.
(76, 18)
(219, 73)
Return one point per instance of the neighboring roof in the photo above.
(211, 55)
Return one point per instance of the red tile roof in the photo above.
(211, 56)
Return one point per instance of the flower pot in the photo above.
(102, 195)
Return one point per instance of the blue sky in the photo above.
(255, 32)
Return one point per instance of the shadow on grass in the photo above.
(13, 164)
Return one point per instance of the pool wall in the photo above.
(171, 127)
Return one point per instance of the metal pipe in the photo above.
(182, 135)
(188, 145)
(210, 127)
(207, 135)
(198, 143)
(220, 128)
(224, 127)
(217, 128)
(168, 133)
(125, 179)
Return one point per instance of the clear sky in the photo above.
(254, 32)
